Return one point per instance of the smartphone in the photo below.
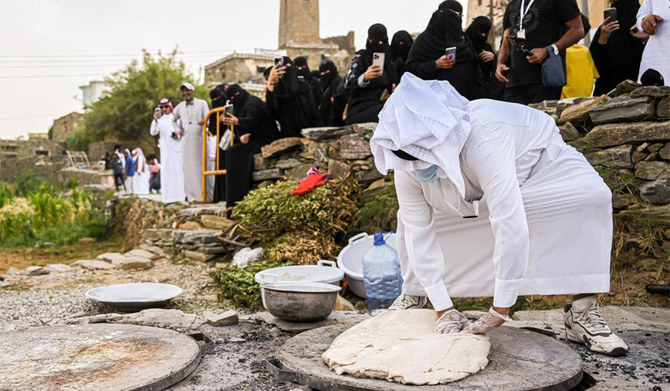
(280, 61)
(520, 44)
(158, 111)
(378, 59)
(610, 13)
(451, 53)
(228, 109)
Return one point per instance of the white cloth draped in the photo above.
(656, 53)
(172, 170)
(190, 116)
(544, 224)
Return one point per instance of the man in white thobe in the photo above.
(172, 168)
(653, 18)
(493, 203)
(192, 113)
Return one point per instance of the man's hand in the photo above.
(637, 34)
(538, 56)
(373, 72)
(486, 56)
(606, 30)
(201, 122)
(230, 119)
(649, 23)
(155, 116)
(244, 139)
(444, 62)
(500, 72)
(181, 133)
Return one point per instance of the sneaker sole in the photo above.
(573, 336)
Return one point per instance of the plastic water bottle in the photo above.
(381, 274)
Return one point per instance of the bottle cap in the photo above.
(379, 239)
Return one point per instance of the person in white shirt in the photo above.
(486, 181)
(192, 113)
(141, 179)
(653, 18)
(172, 169)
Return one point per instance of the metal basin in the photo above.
(300, 302)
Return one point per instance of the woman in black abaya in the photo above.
(368, 85)
(304, 73)
(478, 34)
(615, 52)
(332, 101)
(427, 58)
(254, 127)
(290, 100)
(401, 43)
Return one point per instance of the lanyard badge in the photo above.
(523, 10)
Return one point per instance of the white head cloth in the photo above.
(427, 119)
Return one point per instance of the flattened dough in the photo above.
(400, 346)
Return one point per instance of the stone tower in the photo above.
(298, 22)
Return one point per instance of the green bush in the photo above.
(29, 182)
(238, 285)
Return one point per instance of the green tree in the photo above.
(125, 114)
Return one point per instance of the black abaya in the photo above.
(292, 103)
(331, 103)
(619, 59)
(444, 31)
(478, 33)
(253, 119)
(401, 44)
(365, 101)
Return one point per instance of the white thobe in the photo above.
(141, 178)
(172, 169)
(544, 216)
(191, 115)
(657, 50)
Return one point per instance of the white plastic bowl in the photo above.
(350, 259)
(135, 296)
(324, 271)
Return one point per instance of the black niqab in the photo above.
(304, 72)
(401, 44)
(478, 33)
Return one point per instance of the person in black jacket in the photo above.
(290, 100)
(428, 59)
(401, 44)
(616, 53)
(368, 85)
(218, 99)
(332, 101)
(255, 127)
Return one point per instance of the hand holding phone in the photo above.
(610, 15)
(451, 53)
(378, 59)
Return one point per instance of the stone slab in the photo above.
(519, 360)
(349, 318)
(95, 357)
(623, 110)
(610, 135)
(93, 264)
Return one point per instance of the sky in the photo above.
(48, 48)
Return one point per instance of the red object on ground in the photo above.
(309, 183)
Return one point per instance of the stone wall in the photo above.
(44, 157)
(338, 151)
(64, 126)
(626, 136)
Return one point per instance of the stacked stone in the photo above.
(627, 133)
(340, 151)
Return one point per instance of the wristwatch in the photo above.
(553, 46)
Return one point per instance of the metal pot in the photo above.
(300, 301)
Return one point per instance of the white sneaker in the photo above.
(406, 302)
(584, 324)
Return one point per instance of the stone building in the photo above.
(44, 157)
(298, 36)
(63, 127)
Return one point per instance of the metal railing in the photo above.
(218, 111)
